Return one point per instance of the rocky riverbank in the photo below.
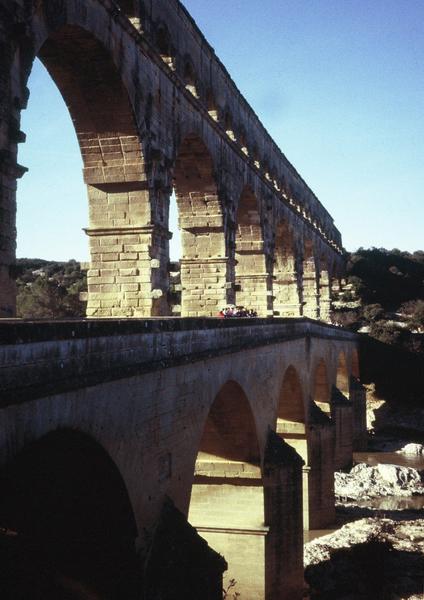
(366, 481)
(369, 559)
(378, 551)
(378, 554)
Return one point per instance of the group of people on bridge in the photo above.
(232, 311)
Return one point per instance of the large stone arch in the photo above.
(311, 436)
(285, 274)
(94, 71)
(68, 505)
(252, 277)
(229, 433)
(130, 245)
(292, 428)
(234, 502)
(204, 262)
(228, 475)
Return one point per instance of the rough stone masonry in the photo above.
(155, 111)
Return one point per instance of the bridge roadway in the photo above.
(135, 426)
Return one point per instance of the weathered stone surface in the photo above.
(154, 109)
(177, 402)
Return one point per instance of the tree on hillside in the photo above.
(49, 290)
(387, 277)
(388, 288)
(414, 310)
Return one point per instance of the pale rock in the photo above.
(413, 449)
(365, 481)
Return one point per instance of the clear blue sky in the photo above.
(339, 84)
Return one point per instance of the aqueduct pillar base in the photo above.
(180, 564)
(226, 508)
(254, 521)
(204, 283)
(320, 477)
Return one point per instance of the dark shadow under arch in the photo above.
(342, 377)
(291, 406)
(321, 389)
(230, 431)
(355, 370)
(75, 528)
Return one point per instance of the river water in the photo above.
(388, 503)
(392, 458)
(389, 458)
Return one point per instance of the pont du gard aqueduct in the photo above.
(145, 456)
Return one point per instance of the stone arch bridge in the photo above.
(155, 111)
(125, 444)
(148, 426)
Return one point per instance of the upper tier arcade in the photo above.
(155, 111)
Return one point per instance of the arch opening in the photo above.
(291, 407)
(342, 376)
(72, 528)
(113, 168)
(229, 127)
(291, 413)
(230, 432)
(163, 43)
(175, 256)
(243, 142)
(252, 278)
(190, 79)
(227, 477)
(322, 388)
(131, 10)
(45, 289)
(355, 369)
(204, 261)
(285, 279)
(212, 106)
(291, 427)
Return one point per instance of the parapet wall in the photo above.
(37, 359)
